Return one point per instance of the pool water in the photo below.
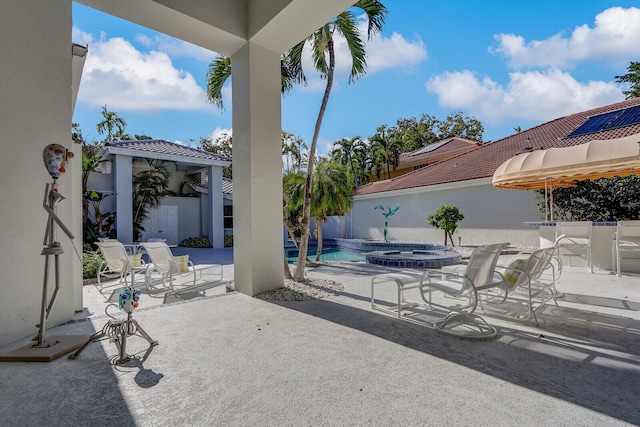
(328, 254)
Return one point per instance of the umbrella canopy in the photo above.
(561, 167)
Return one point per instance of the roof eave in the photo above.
(163, 156)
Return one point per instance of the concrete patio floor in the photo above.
(226, 359)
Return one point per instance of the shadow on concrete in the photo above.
(87, 382)
(588, 359)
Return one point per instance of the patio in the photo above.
(229, 359)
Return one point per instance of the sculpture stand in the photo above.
(45, 350)
(118, 330)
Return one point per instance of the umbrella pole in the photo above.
(551, 200)
(546, 202)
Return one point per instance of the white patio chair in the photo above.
(626, 243)
(117, 264)
(173, 270)
(480, 275)
(528, 281)
(577, 237)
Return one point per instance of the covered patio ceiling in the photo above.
(224, 26)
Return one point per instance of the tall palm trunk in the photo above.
(306, 210)
(319, 231)
(353, 171)
(287, 271)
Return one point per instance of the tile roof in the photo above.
(159, 146)
(437, 149)
(482, 162)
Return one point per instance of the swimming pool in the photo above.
(328, 254)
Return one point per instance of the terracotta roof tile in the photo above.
(483, 161)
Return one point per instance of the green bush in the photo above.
(228, 241)
(196, 242)
(91, 261)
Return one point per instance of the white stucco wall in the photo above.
(335, 227)
(491, 215)
(36, 89)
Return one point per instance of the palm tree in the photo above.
(292, 148)
(111, 121)
(385, 149)
(331, 194)
(292, 192)
(350, 153)
(322, 46)
(287, 147)
(323, 54)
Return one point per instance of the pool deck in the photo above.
(226, 359)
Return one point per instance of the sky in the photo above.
(508, 64)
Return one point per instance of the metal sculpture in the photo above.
(118, 330)
(386, 215)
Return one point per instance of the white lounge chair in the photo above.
(626, 243)
(117, 264)
(174, 271)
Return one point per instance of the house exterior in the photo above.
(190, 209)
(427, 155)
(491, 214)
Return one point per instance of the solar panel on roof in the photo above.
(430, 147)
(594, 124)
(611, 120)
(630, 116)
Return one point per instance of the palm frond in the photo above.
(346, 25)
(293, 64)
(376, 14)
(218, 73)
(320, 40)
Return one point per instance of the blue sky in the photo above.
(503, 62)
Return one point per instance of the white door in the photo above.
(163, 223)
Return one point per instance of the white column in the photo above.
(257, 170)
(35, 89)
(123, 174)
(215, 218)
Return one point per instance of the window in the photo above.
(228, 216)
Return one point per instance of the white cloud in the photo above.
(218, 132)
(80, 37)
(126, 79)
(382, 53)
(536, 96)
(614, 37)
(323, 146)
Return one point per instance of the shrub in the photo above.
(228, 241)
(91, 261)
(196, 242)
(446, 218)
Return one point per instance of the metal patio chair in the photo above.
(465, 286)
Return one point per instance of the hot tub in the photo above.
(414, 259)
